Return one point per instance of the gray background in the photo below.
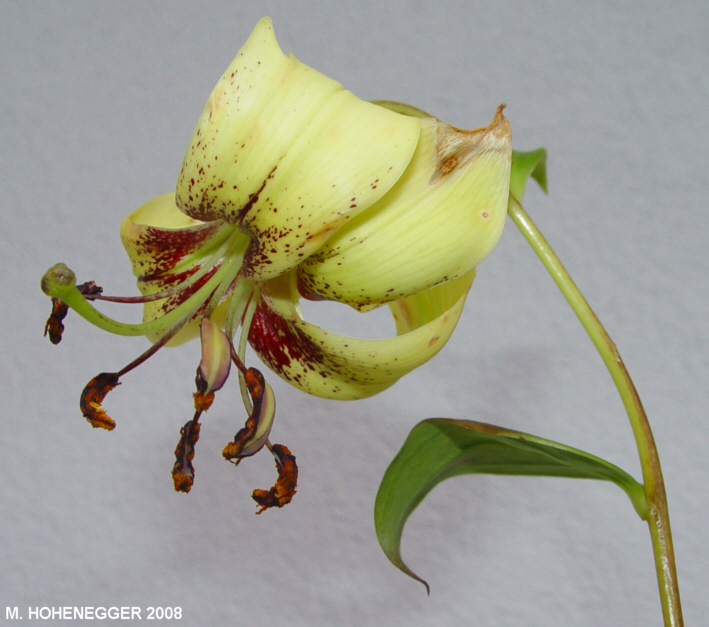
(98, 102)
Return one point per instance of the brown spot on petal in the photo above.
(446, 166)
(285, 488)
(92, 397)
(456, 147)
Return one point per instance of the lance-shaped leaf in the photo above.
(442, 218)
(440, 448)
(528, 164)
(288, 155)
(345, 368)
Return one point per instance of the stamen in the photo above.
(222, 279)
(155, 347)
(245, 293)
(218, 295)
(95, 391)
(215, 365)
(202, 401)
(254, 434)
(59, 282)
(212, 373)
(285, 487)
(239, 300)
(92, 397)
(139, 300)
(240, 365)
(54, 325)
(205, 267)
(183, 470)
(247, 317)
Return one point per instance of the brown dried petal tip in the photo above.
(92, 397)
(286, 484)
(183, 471)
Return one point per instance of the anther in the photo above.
(92, 397)
(285, 487)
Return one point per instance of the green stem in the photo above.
(657, 512)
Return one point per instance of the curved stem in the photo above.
(67, 292)
(657, 512)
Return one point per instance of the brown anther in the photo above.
(54, 326)
(183, 471)
(202, 402)
(92, 397)
(283, 491)
(89, 289)
(256, 386)
(254, 383)
(233, 450)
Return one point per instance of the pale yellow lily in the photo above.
(292, 187)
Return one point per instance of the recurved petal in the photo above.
(349, 155)
(288, 155)
(442, 218)
(345, 368)
(161, 240)
(166, 248)
(258, 107)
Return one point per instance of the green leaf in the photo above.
(440, 448)
(524, 165)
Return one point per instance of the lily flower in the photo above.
(293, 188)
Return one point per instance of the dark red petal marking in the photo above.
(166, 248)
(279, 343)
(167, 280)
